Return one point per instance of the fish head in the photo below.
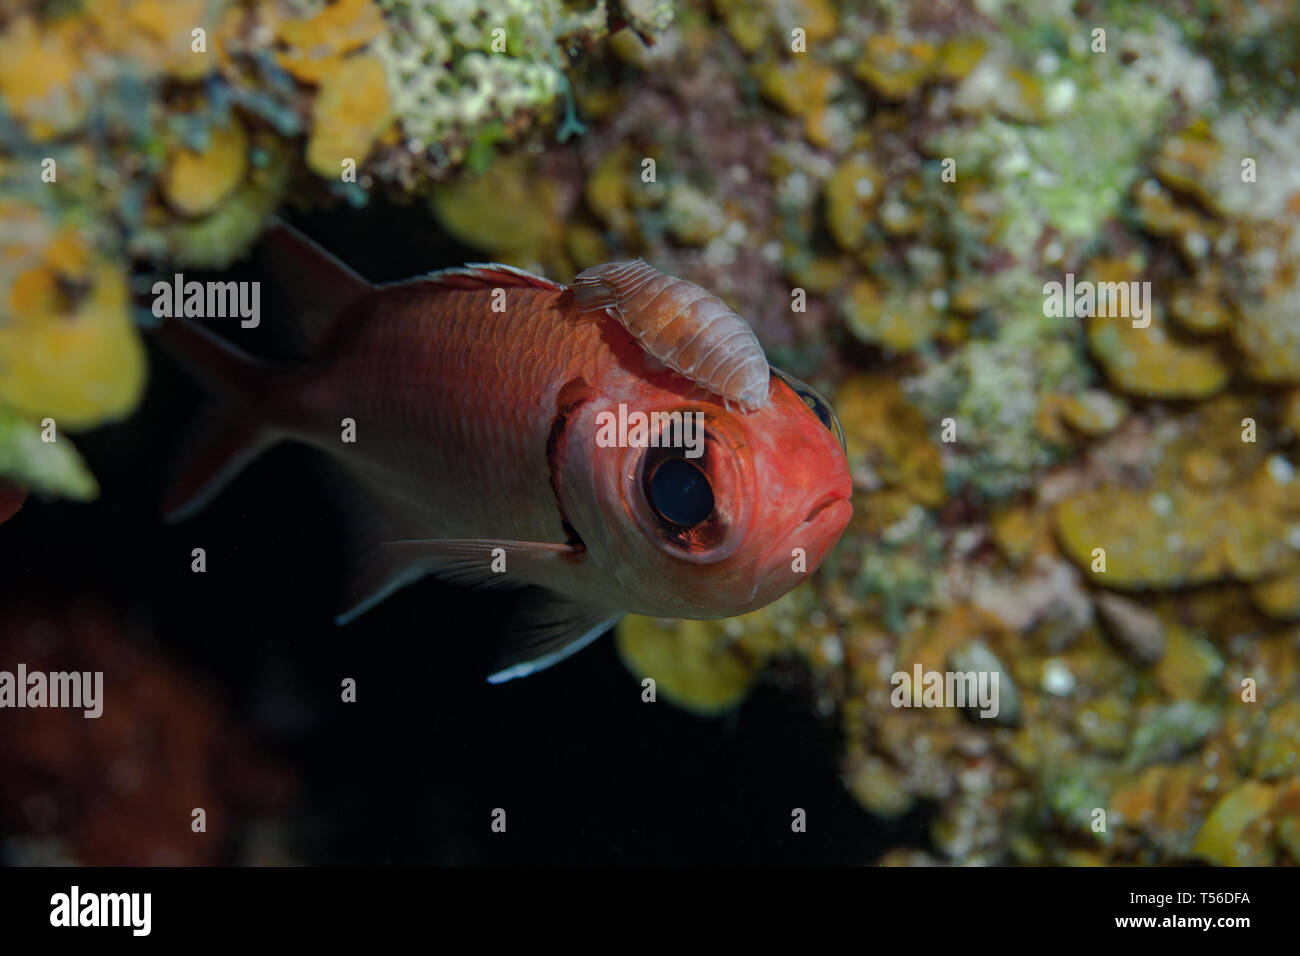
(714, 522)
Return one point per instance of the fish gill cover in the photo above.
(1043, 257)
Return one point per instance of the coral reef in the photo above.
(138, 134)
(1102, 509)
(920, 178)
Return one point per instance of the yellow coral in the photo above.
(886, 439)
(1186, 163)
(899, 321)
(708, 666)
(196, 183)
(507, 212)
(802, 88)
(351, 110)
(1160, 214)
(611, 187)
(1094, 413)
(1197, 308)
(961, 54)
(316, 45)
(1178, 536)
(74, 357)
(158, 35)
(693, 663)
(1187, 666)
(1227, 836)
(852, 193)
(1149, 362)
(1268, 334)
(812, 273)
(893, 68)
(746, 21)
(585, 245)
(1278, 597)
(38, 67)
(215, 240)
(1018, 531)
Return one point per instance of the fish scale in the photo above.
(422, 371)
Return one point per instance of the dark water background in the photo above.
(411, 772)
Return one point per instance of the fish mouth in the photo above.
(829, 511)
(816, 534)
(827, 502)
(825, 524)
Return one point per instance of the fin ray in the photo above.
(373, 572)
(315, 286)
(488, 275)
(228, 433)
(548, 629)
(219, 445)
(468, 561)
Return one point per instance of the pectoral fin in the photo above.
(547, 629)
(479, 562)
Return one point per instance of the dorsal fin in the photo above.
(490, 275)
(315, 286)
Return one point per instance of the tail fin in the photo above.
(315, 288)
(230, 432)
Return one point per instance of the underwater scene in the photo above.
(459, 432)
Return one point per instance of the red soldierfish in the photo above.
(511, 430)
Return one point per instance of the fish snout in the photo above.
(827, 501)
(794, 555)
(823, 526)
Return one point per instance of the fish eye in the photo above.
(817, 404)
(680, 493)
(692, 502)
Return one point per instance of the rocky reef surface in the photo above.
(1101, 508)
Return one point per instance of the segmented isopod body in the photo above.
(688, 329)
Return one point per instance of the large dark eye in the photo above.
(680, 492)
(691, 499)
(819, 406)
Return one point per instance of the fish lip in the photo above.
(818, 514)
(822, 505)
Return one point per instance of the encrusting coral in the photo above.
(1103, 509)
(138, 133)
